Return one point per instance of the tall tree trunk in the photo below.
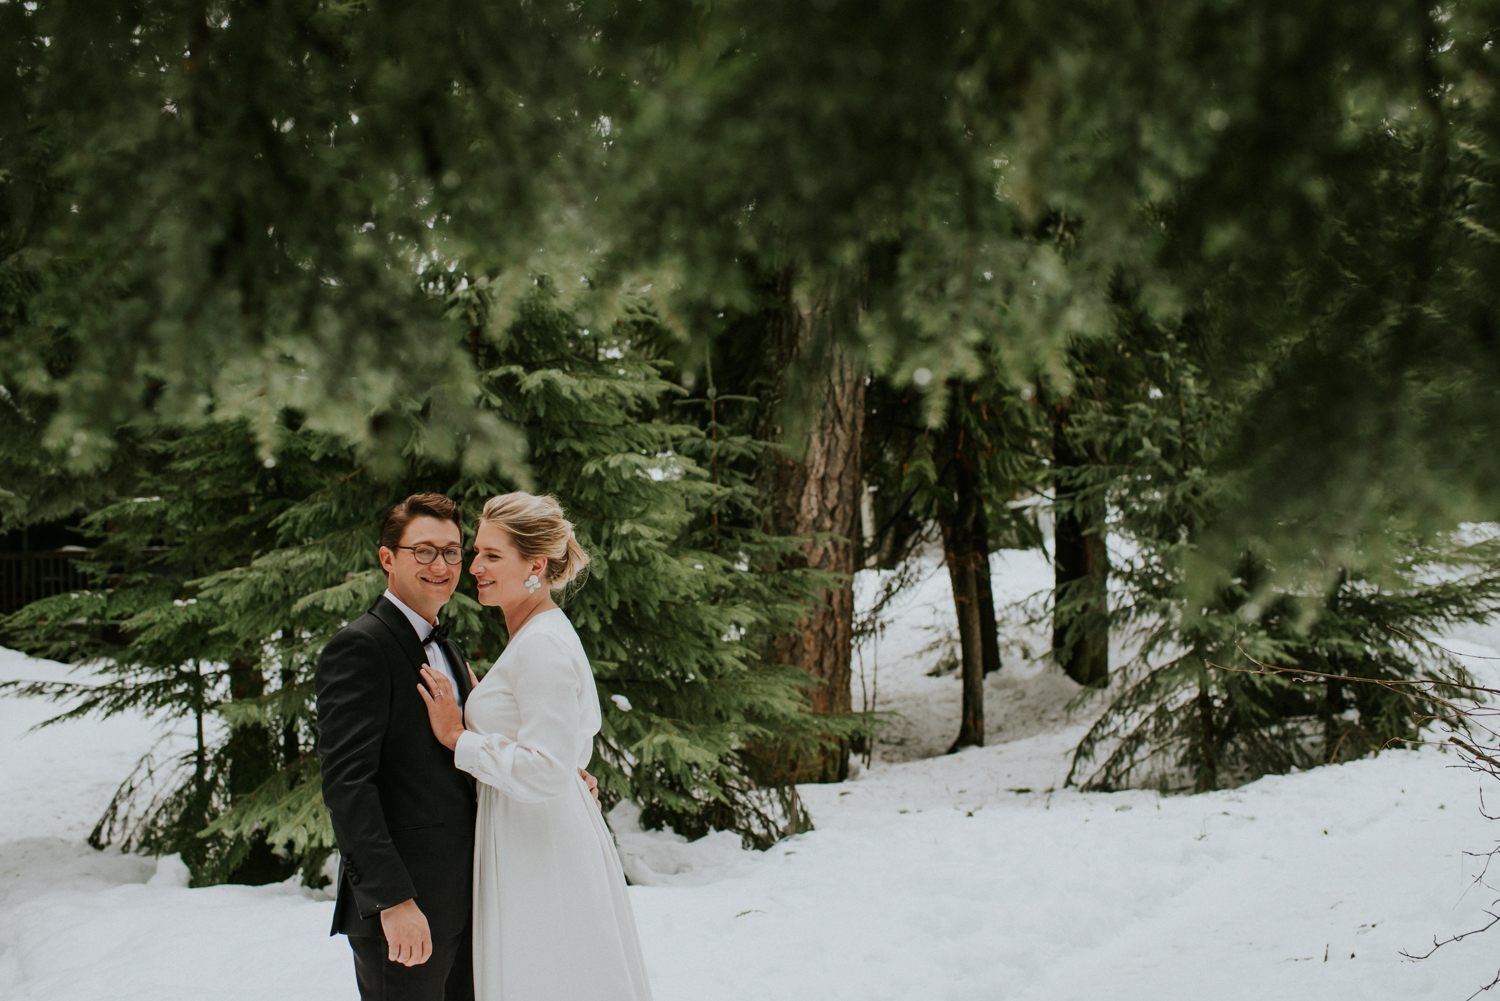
(291, 746)
(971, 655)
(1207, 778)
(1080, 616)
(253, 758)
(961, 516)
(984, 592)
(811, 486)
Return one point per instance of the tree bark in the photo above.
(1080, 616)
(966, 604)
(962, 518)
(984, 592)
(291, 746)
(1207, 778)
(248, 749)
(252, 757)
(811, 484)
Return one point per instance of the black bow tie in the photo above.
(440, 633)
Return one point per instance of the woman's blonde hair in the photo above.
(537, 526)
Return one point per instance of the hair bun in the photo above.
(538, 527)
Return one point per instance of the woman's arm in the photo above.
(541, 762)
(447, 719)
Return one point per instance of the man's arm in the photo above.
(353, 690)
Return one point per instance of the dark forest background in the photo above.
(766, 293)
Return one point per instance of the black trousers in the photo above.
(447, 976)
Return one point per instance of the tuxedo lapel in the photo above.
(406, 637)
(460, 669)
(401, 630)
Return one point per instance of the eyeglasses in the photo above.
(452, 556)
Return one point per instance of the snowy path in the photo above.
(928, 879)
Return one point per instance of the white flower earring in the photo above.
(532, 583)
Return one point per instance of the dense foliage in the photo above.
(1193, 709)
(978, 176)
(217, 592)
(275, 266)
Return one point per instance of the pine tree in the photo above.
(1297, 173)
(1080, 548)
(1178, 716)
(277, 175)
(1317, 187)
(218, 593)
(783, 356)
(681, 590)
(168, 645)
(813, 412)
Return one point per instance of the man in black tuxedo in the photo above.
(403, 815)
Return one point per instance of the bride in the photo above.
(552, 921)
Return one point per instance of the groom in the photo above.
(403, 815)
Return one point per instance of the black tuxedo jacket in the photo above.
(403, 814)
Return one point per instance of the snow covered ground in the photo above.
(970, 876)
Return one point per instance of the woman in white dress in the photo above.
(552, 920)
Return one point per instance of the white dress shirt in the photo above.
(436, 659)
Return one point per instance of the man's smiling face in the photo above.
(424, 587)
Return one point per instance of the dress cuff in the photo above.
(466, 751)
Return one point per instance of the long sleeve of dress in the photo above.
(539, 763)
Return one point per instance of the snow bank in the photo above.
(58, 780)
(663, 858)
(968, 877)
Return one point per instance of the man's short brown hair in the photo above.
(417, 505)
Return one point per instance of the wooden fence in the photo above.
(26, 577)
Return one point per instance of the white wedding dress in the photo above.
(552, 921)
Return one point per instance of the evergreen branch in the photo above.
(1392, 685)
(106, 700)
(1388, 683)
